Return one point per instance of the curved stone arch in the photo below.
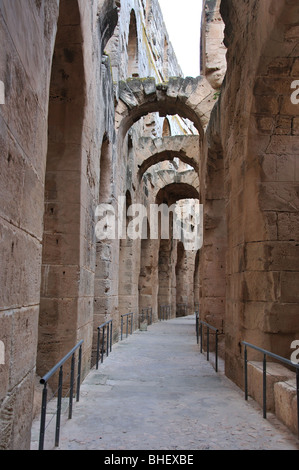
(166, 178)
(191, 98)
(153, 151)
(176, 191)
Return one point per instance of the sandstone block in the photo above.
(285, 398)
(275, 373)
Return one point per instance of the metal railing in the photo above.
(276, 357)
(165, 312)
(44, 381)
(101, 341)
(197, 326)
(127, 316)
(146, 313)
(200, 325)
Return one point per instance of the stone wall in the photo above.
(97, 112)
(250, 151)
(64, 67)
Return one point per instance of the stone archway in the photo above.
(191, 98)
(167, 270)
(152, 151)
(59, 302)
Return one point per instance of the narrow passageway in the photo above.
(156, 391)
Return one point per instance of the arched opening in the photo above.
(166, 131)
(167, 155)
(213, 254)
(176, 255)
(181, 298)
(177, 97)
(148, 272)
(128, 271)
(58, 319)
(133, 47)
(103, 296)
(105, 171)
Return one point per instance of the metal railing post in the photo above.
(43, 418)
(103, 342)
(79, 374)
(245, 372)
(98, 349)
(108, 336)
(264, 387)
(216, 351)
(208, 344)
(111, 336)
(72, 387)
(200, 325)
(58, 412)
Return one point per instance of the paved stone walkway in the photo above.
(156, 391)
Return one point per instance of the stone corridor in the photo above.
(156, 391)
(126, 185)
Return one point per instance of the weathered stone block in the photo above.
(275, 373)
(285, 398)
(23, 351)
(289, 286)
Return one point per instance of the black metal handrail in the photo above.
(146, 313)
(127, 315)
(44, 381)
(165, 312)
(209, 327)
(197, 326)
(101, 341)
(276, 357)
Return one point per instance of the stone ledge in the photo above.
(286, 404)
(281, 391)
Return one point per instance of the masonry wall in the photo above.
(253, 130)
(61, 65)
(26, 76)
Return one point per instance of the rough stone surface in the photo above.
(97, 111)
